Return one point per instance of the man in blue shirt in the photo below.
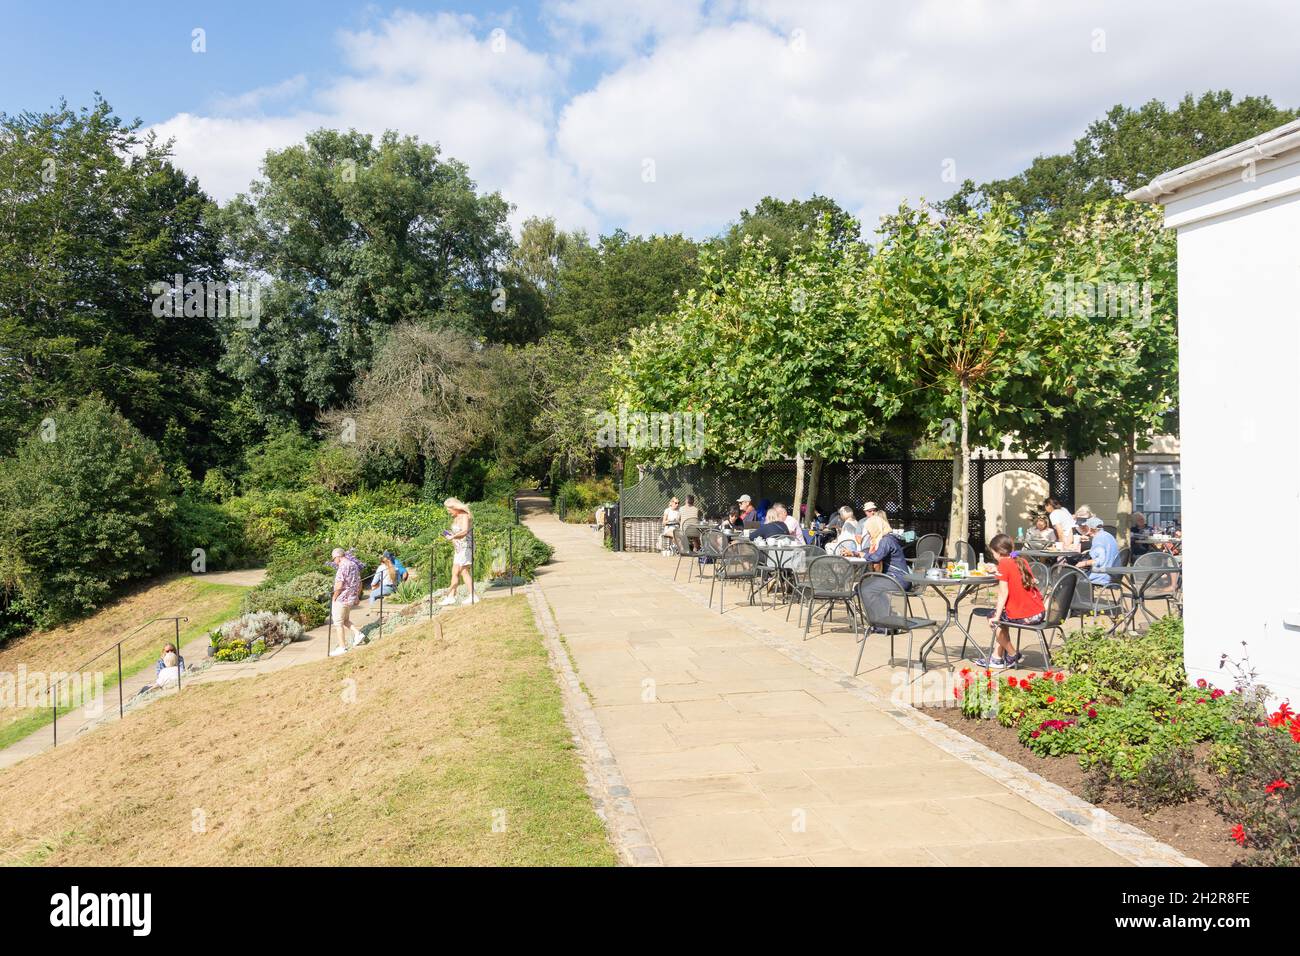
(1104, 552)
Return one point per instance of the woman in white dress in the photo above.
(461, 537)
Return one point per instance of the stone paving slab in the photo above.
(740, 743)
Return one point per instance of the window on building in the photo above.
(1140, 491)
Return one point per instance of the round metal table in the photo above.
(963, 587)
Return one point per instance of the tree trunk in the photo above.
(814, 479)
(1124, 507)
(957, 522)
(798, 484)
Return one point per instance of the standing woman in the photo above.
(461, 537)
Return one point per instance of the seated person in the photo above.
(775, 526)
(384, 581)
(1103, 552)
(169, 648)
(879, 545)
(848, 526)
(735, 521)
(1019, 601)
(1139, 533)
(403, 573)
(168, 675)
(1041, 537)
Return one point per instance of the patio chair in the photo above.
(772, 564)
(739, 563)
(877, 594)
(830, 582)
(1156, 587)
(1086, 600)
(1113, 529)
(1042, 575)
(712, 544)
(688, 549)
(965, 551)
(1058, 601)
(929, 544)
(799, 579)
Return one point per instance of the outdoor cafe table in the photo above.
(942, 586)
(780, 557)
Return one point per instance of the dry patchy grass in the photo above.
(62, 649)
(444, 738)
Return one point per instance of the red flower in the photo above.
(956, 693)
(1201, 700)
(965, 671)
(1031, 676)
(1092, 711)
(1060, 677)
(1012, 682)
(1276, 786)
(1051, 700)
(1217, 694)
(1033, 733)
(1239, 834)
(1201, 682)
(1295, 731)
(1047, 674)
(1283, 715)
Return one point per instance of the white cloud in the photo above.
(736, 100)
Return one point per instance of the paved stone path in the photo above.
(737, 742)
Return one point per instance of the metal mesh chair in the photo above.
(830, 582)
(739, 563)
(712, 544)
(878, 596)
(688, 548)
(1060, 598)
(1112, 529)
(1086, 600)
(799, 579)
(965, 552)
(929, 544)
(1163, 586)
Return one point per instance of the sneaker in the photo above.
(358, 640)
(991, 662)
(338, 652)
(1015, 661)
(449, 599)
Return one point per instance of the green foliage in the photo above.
(81, 514)
(95, 214)
(576, 501)
(356, 235)
(1167, 778)
(286, 460)
(1122, 663)
(304, 598)
(1127, 148)
(1261, 770)
(200, 523)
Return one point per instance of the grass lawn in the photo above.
(416, 750)
(62, 649)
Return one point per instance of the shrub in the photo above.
(266, 626)
(1122, 663)
(576, 501)
(1166, 778)
(1258, 791)
(199, 523)
(285, 460)
(84, 508)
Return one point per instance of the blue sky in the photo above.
(666, 116)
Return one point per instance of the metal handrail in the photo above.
(121, 702)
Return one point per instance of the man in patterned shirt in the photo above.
(347, 593)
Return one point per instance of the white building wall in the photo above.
(1239, 354)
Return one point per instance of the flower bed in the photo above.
(1204, 768)
(252, 635)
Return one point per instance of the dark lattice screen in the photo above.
(916, 494)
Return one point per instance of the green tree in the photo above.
(1114, 275)
(778, 357)
(1127, 148)
(94, 215)
(789, 226)
(605, 292)
(356, 236)
(84, 508)
(963, 299)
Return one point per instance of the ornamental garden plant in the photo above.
(1122, 707)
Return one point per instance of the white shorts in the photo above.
(341, 613)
